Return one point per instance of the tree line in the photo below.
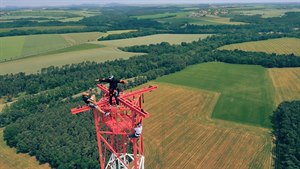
(286, 129)
(156, 64)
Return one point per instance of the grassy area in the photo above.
(41, 28)
(11, 47)
(35, 44)
(78, 38)
(286, 82)
(17, 47)
(246, 91)
(34, 64)
(44, 15)
(154, 39)
(267, 13)
(84, 46)
(157, 16)
(11, 160)
(279, 46)
(214, 20)
(183, 17)
(180, 133)
(79, 54)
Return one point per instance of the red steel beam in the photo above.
(140, 91)
(112, 150)
(134, 108)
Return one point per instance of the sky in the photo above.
(33, 3)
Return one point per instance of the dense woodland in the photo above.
(39, 122)
(286, 128)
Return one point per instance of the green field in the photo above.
(21, 46)
(246, 91)
(41, 43)
(17, 47)
(278, 46)
(157, 16)
(267, 13)
(41, 28)
(84, 46)
(183, 17)
(90, 52)
(49, 15)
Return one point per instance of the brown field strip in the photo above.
(279, 46)
(180, 133)
(10, 160)
(286, 82)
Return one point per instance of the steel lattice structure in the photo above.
(112, 130)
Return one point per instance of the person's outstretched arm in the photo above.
(122, 81)
(102, 80)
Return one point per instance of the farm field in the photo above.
(246, 91)
(157, 16)
(21, 46)
(278, 46)
(48, 15)
(267, 13)
(286, 82)
(41, 28)
(108, 51)
(183, 17)
(181, 134)
(214, 20)
(98, 55)
(10, 160)
(17, 47)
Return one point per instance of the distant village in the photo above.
(203, 13)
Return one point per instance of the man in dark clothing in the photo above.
(113, 87)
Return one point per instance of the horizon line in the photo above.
(142, 4)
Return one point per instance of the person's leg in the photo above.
(93, 97)
(116, 97)
(110, 99)
(131, 135)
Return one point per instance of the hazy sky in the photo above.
(4, 3)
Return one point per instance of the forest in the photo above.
(286, 129)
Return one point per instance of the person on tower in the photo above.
(113, 87)
(91, 101)
(137, 131)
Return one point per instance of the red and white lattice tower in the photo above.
(116, 151)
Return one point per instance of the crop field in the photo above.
(48, 15)
(278, 46)
(10, 160)
(80, 47)
(267, 13)
(183, 17)
(180, 133)
(78, 38)
(34, 64)
(157, 16)
(286, 82)
(99, 51)
(22, 46)
(214, 20)
(17, 47)
(246, 91)
(41, 28)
